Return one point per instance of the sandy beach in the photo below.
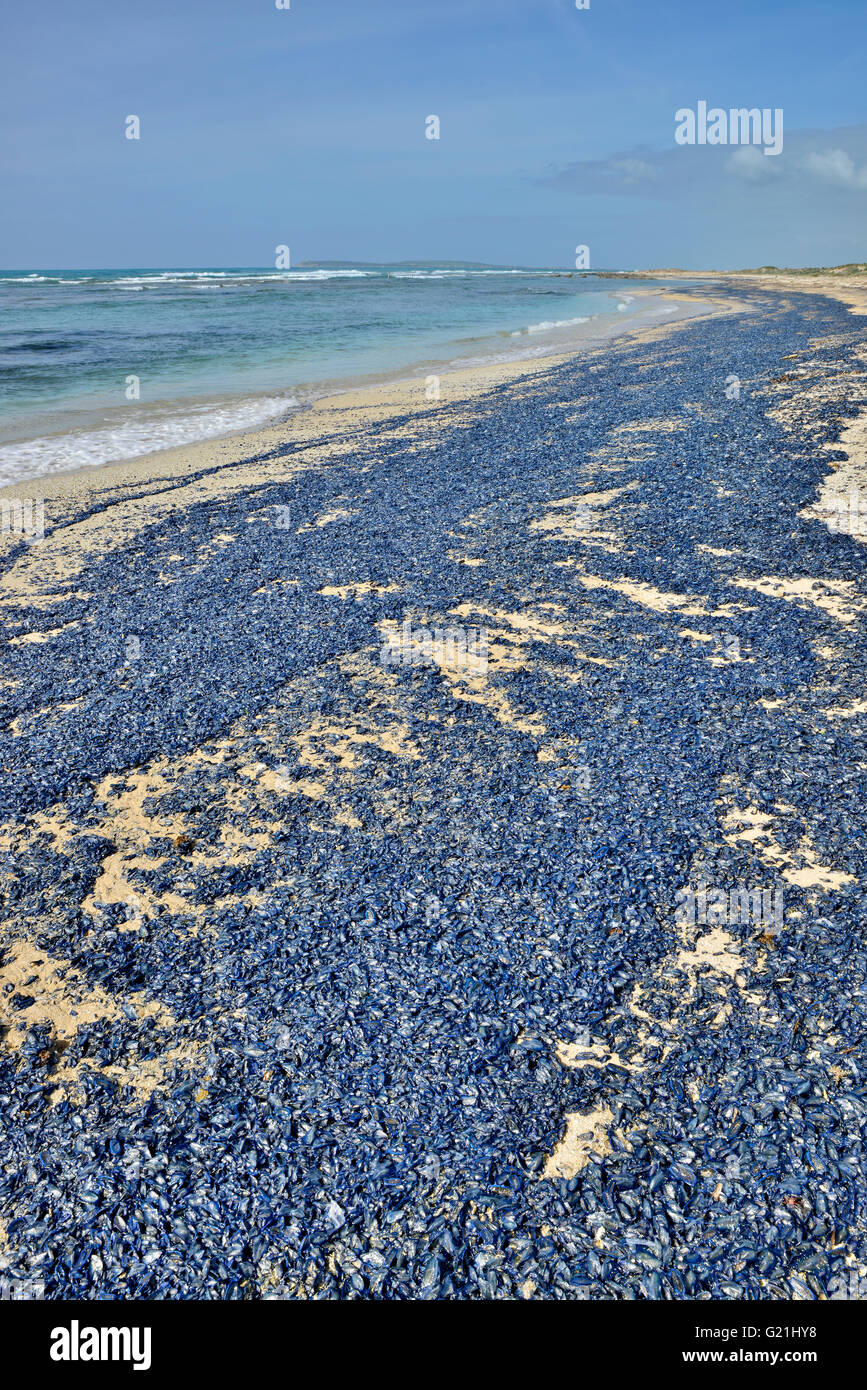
(292, 872)
(144, 490)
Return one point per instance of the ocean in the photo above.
(98, 366)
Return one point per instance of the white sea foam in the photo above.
(257, 277)
(143, 433)
(548, 324)
(201, 278)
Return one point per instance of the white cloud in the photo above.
(633, 170)
(749, 162)
(838, 167)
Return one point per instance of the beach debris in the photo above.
(407, 1008)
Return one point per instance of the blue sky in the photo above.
(306, 126)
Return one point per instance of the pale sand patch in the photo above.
(664, 425)
(846, 712)
(646, 595)
(691, 605)
(585, 1134)
(31, 717)
(591, 499)
(590, 1055)
(64, 1001)
(113, 888)
(837, 597)
(843, 494)
(577, 517)
(325, 518)
(46, 600)
(842, 501)
(522, 628)
(716, 952)
(841, 504)
(35, 637)
(749, 825)
(325, 744)
(358, 590)
(123, 821)
(273, 781)
(278, 583)
(463, 674)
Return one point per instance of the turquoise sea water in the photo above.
(97, 366)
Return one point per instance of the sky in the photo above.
(305, 127)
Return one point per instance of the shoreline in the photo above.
(357, 405)
(81, 433)
(850, 290)
(371, 402)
